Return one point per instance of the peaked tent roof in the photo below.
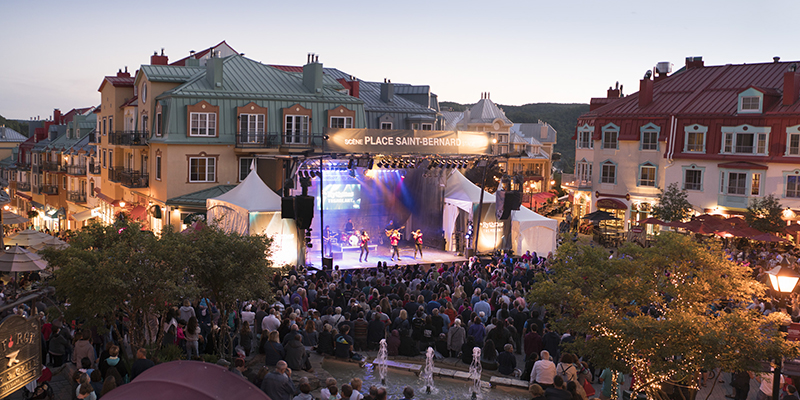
(253, 195)
(460, 188)
(486, 111)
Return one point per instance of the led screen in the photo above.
(339, 196)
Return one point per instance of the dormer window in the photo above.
(751, 101)
(585, 137)
(610, 137)
(745, 139)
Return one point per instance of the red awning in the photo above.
(613, 204)
(103, 197)
(139, 212)
(741, 165)
(24, 196)
(541, 197)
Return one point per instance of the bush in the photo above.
(210, 358)
(170, 353)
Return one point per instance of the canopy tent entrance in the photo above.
(461, 199)
(253, 208)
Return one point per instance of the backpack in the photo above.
(563, 372)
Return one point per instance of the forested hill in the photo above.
(562, 117)
(20, 127)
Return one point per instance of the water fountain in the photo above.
(427, 373)
(475, 370)
(381, 361)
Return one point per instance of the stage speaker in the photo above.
(287, 207)
(303, 211)
(327, 263)
(513, 200)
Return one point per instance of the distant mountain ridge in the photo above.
(562, 117)
(21, 127)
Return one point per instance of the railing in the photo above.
(574, 181)
(76, 196)
(25, 166)
(51, 166)
(258, 139)
(115, 174)
(24, 186)
(49, 189)
(94, 168)
(135, 179)
(76, 170)
(128, 138)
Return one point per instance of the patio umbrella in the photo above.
(651, 220)
(28, 237)
(768, 237)
(52, 242)
(10, 218)
(792, 229)
(600, 216)
(17, 259)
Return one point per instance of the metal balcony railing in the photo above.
(94, 169)
(24, 186)
(135, 179)
(76, 196)
(266, 140)
(115, 174)
(575, 181)
(76, 170)
(128, 138)
(49, 189)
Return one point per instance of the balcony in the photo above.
(128, 138)
(115, 174)
(23, 186)
(271, 140)
(94, 169)
(76, 196)
(49, 189)
(78, 170)
(51, 166)
(135, 179)
(24, 166)
(573, 181)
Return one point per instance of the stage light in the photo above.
(380, 164)
(371, 163)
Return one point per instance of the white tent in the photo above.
(460, 193)
(253, 208)
(534, 232)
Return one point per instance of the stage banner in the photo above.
(492, 230)
(384, 141)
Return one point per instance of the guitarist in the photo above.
(364, 244)
(327, 235)
(394, 239)
(417, 235)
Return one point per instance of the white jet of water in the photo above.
(381, 361)
(475, 370)
(427, 373)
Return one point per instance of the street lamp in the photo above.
(783, 280)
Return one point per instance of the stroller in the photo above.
(42, 392)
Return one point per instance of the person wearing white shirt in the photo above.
(543, 371)
(270, 323)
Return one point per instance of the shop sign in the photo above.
(382, 141)
(20, 353)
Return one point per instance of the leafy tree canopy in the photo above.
(764, 214)
(672, 204)
(661, 313)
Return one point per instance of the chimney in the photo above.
(387, 91)
(214, 73)
(776, 59)
(57, 116)
(312, 75)
(791, 86)
(613, 93)
(156, 59)
(645, 92)
(125, 74)
(694, 62)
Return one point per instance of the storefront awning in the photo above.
(139, 212)
(82, 216)
(24, 196)
(613, 204)
(37, 204)
(103, 197)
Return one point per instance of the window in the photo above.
(111, 124)
(755, 184)
(608, 173)
(158, 167)
(251, 128)
(737, 183)
(695, 142)
(91, 188)
(386, 125)
(105, 126)
(296, 129)
(649, 140)
(610, 137)
(201, 169)
(793, 186)
(203, 124)
(64, 183)
(793, 141)
(751, 103)
(583, 171)
(341, 122)
(745, 139)
(104, 158)
(158, 124)
(647, 175)
(585, 140)
(111, 158)
(244, 167)
(693, 179)
(427, 127)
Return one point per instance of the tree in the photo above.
(120, 268)
(657, 312)
(229, 267)
(764, 214)
(672, 204)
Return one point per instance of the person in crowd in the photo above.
(544, 371)
(507, 361)
(408, 392)
(246, 338)
(273, 349)
(536, 391)
(114, 362)
(558, 390)
(278, 383)
(456, 337)
(296, 355)
(141, 364)
(192, 336)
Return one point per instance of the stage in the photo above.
(349, 257)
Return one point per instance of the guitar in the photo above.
(390, 232)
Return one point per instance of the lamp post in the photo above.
(783, 280)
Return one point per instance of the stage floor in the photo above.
(350, 258)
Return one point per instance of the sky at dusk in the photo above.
(56, 53)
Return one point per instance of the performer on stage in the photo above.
(348, 227)
(364, 243)
(395, 240)
(327, 235)
(417, 243)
